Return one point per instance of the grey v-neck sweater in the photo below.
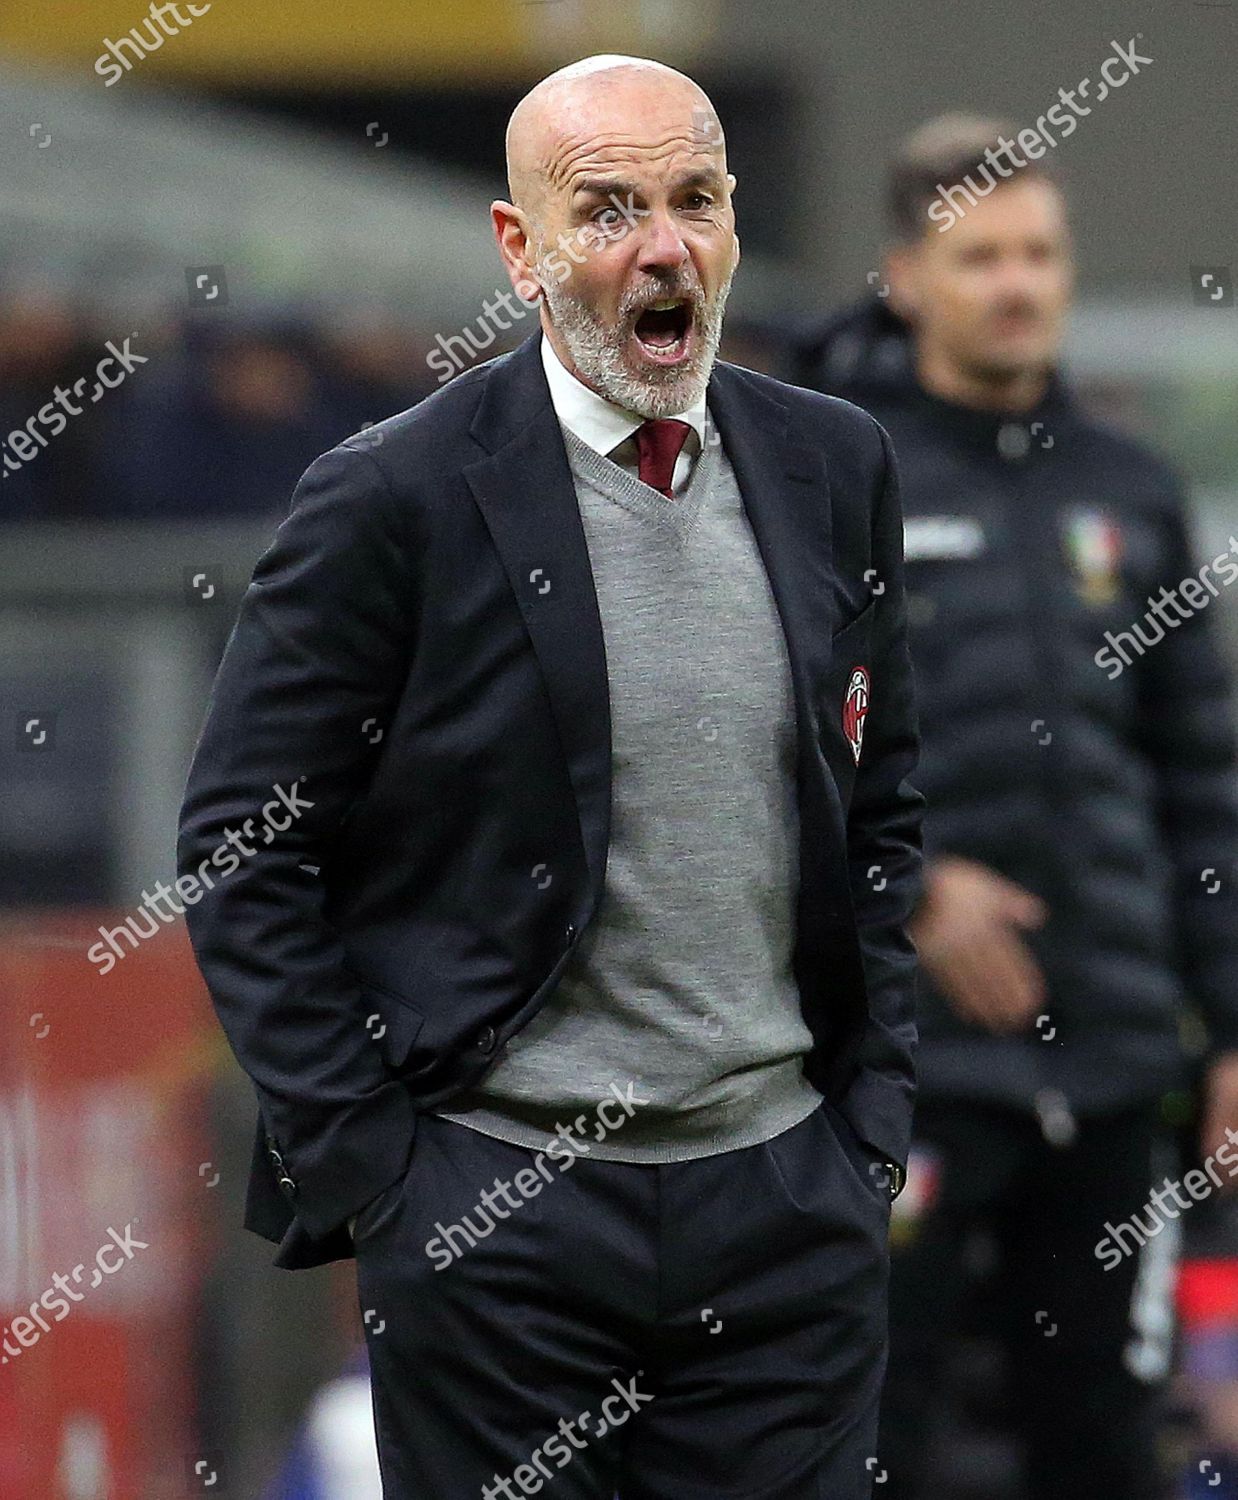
(682, 986)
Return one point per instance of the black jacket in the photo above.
(420, 653)
(1105, 788)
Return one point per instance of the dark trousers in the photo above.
(691, 1331)
(1088, 1346)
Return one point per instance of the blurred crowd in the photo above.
(219, 422)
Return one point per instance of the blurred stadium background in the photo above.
(283, 209)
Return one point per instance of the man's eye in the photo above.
(698, 201)
(603, 216)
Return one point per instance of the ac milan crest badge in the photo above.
(855, 709)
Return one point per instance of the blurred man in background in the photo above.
(1077, 759)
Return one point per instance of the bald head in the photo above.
(621, 225)
(598, 96)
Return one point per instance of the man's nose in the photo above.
(661, 244)
(1020, 279)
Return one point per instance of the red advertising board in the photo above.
(103, 1173)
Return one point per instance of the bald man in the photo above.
(550, 847)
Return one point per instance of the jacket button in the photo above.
(1013, 441)
(569, 934)
(486, 1039)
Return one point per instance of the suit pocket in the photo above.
(864, 1161)
(820, 1171)
(392, 1022)
(381, 1208)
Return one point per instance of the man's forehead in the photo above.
(1007, 217)
(676, 154)
(675, 133)
(1026, 203)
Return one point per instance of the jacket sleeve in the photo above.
(883, 835)
(1186, 729)
(318, 653)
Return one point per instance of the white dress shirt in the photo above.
(608, 429)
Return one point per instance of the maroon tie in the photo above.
(658, 445)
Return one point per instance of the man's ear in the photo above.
(900, 265)
(511, 235)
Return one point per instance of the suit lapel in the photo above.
(787, 500)
(526, 494)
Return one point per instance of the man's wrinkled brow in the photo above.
(606, 187)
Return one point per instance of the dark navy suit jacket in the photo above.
(420, 653)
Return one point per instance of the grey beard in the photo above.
(597, 354)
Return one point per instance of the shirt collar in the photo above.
(594, 420)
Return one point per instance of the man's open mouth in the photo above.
(664, 330)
